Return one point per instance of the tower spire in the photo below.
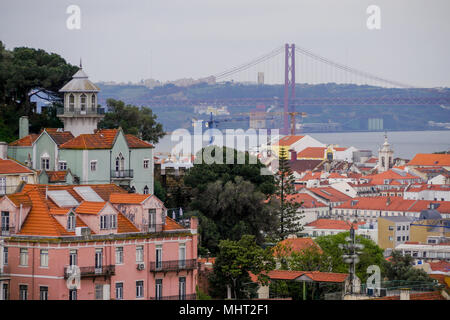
(81, 66)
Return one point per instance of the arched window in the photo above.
(120, 162)
(146, 190)
(93, 105)
(71, 102)
(71, 221)
(83, 102)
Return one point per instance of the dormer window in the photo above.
(108, 221)
(83, 102)
(45, 163)
(71, 102)
(71, 221)
(146, 190)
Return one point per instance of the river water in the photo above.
(404, 143)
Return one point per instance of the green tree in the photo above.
(287, 212)
(233, 263)
(371, 254)
(140, 122)
(201, 174)
(27, 73)
(229, 211)
(159, 191)
(400, 269)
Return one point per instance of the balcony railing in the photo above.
(122, 174)
(191, 296)
(7, 231)
(173, 265)
(85, 272)
(77, 112)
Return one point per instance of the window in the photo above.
(5, 220)
(98, 258)
(158, 289)
(23, 257)
(2, 185)
(140, 254)
(182, 288)
(146, 190)
(23, 292)
(71, 102)
(119, 291)
(158, 257)
(391, 228)
(73, 257)
(120, 162)
(5, 291)
(182, 255)
(45, 163)
(108, 221)
(424, 254)
(403, 238)
(83, 102)
(146, 163)
(93, 104)
(152, 220)
(399, 228)
(104, 222)
(73, 294)
(119, 255)
(43, 293)
(139, 289)
(403, 227)
(62, 165)
(71, 221)
(390, 238)
(24, 178)
(113, 221)
(399, 238)
(5, 256)
(44, 258)
(415, 253)
(94, 165)
(98, 292)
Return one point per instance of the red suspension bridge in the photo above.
(284, 63)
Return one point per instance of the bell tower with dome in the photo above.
(385, 156)
(80, 114)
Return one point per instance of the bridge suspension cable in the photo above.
(348, 69)
(250, 64)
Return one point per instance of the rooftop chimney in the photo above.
(293, 154)
(23, 127)
(3, 150)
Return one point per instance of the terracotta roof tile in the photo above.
(330, 194)
(57, 176)
(135, 142)
(312, 152)
(8, 166)
(172, 225)
(59, 136)
(331, 224)
(20, 198)
(26, 141)
(288, 140)
(300, 244)
(308, 201)
(429, 159)
(88, 207)
(124, 225)
(128, 198)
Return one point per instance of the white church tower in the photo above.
(385, 156)
(81, 114)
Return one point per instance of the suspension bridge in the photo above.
(290, 65)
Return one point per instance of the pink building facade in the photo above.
(136, 253)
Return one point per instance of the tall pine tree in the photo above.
(289, 218)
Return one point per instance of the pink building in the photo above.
(123, 245)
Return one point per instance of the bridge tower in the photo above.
(289, 85)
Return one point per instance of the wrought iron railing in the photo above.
(191, 296)
(92, 271)
(77, 112)
(173, 265)
(122, 174)
(7, 230)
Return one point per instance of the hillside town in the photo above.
(80, 218)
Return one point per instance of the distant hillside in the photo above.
(346, 118)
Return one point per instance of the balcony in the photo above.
(88, 112)
(7, 231)
(122, 174)
(173, 265)
(88, 272)
(191, 296)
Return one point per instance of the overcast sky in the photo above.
(171, 39)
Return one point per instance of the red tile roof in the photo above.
(128, 198)
(124, 225)
(103, 139)
(88, 207)
(312, 152)
(380, 178)
(429, 159)
(331, 224)
(442, 266)
(172, 225)
(299, 244)
(57, 176)
(8, 166)
(59, 136)
(26, 141)
(288, 140)
(316, 276)
(308, 201)
(330, 194)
